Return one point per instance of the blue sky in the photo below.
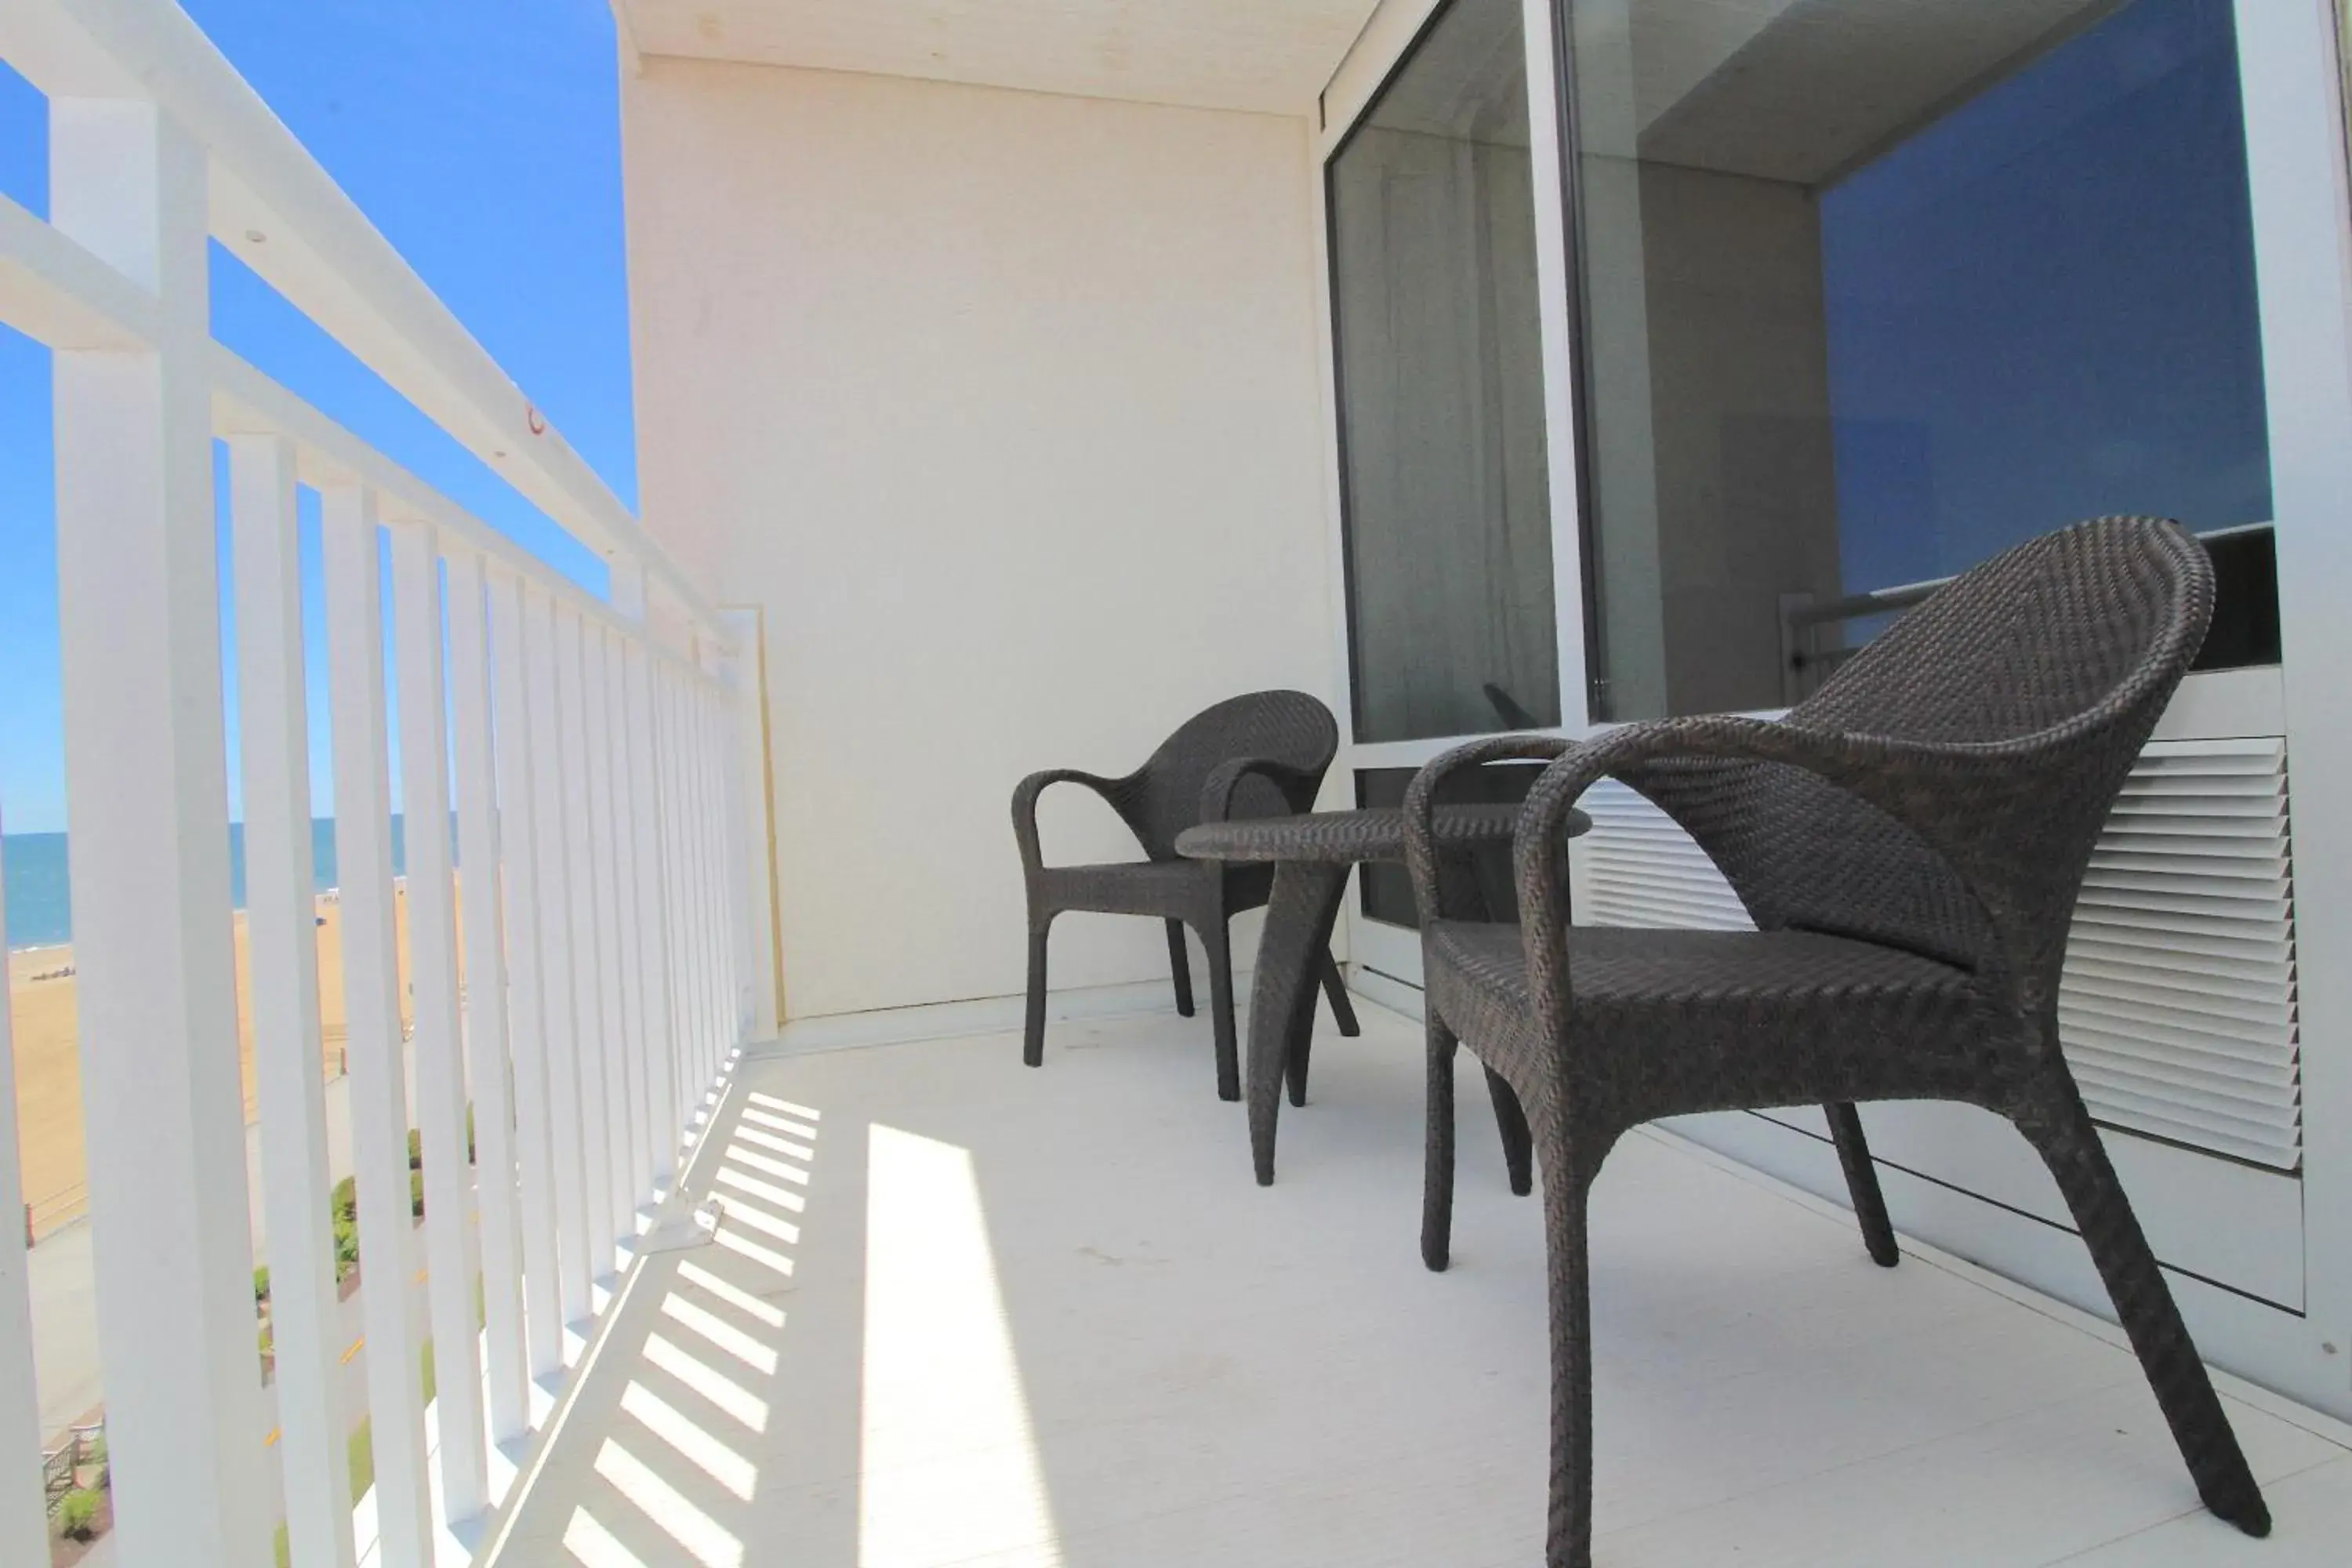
(484, 142)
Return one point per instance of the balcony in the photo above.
(1007, 389)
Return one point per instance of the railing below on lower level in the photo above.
(572, 773)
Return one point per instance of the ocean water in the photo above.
(39, 903)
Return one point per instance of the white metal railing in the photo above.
(579, 952)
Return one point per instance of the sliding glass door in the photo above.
(1871, 290)
(1446, 510)
(1665, 395)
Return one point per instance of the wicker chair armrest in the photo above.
(1298, 785)
(1922, 785)
(1421, 804)
(1024, 806)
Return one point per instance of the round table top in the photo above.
(1345, 837)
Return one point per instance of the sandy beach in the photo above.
(48, 1063)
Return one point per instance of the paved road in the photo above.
(65, 1302)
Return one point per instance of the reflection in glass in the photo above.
(1874, 289)
(1448, 515)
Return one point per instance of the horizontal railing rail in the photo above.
(571, 771)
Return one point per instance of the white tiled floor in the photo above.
(972, 1314)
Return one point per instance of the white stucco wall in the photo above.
(1003, 408)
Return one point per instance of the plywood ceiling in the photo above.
(1273, 55)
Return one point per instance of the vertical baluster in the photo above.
(524, 864)
(699, 749)
(138, 614)
(378, 1095)
(714, 827)
(588, 1017)
(497, 1172)
(671, 749)
(698, 942)
(24, 1519)
(611, 999)
(558, 955)
(653, 931)
(453, 1252)
(282, 915)
(632, 1130)
(726, 837)
(714, 814)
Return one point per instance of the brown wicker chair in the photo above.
(1910, 843)
(1260, 755)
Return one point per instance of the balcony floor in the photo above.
(1046, 1319)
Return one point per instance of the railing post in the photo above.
(497, 1174)
(379, 1093)
(139, 612)
(523, 866)
(24, 1514)
(282, 915)
(453, 1250)
(558, 955)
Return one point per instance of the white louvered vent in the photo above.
(1640, 870)
(2178, 1009)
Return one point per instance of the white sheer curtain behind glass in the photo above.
(1448, 516)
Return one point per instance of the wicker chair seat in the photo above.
(1720, 1019)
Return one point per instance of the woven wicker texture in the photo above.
(1910, 842)
(1264, 755)
(1313, 855)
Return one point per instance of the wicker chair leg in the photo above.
(1214, 938)
(2070, 1146)
(1180, 968)
(1294, 1065)
(1033, 1040)
(1568, 1542)
(1334, 990)
(1862, 1184)
(1437, 1151)
(1518, 1147)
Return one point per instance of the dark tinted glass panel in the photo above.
(2246, 629)
(1875, 288)
(1387, 891)
(1448, 516)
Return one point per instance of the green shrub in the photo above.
(416, 1193)
(415, 1149)
(347, 1200)
(347, 1248)
(77, 1514)
(261, 1285)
